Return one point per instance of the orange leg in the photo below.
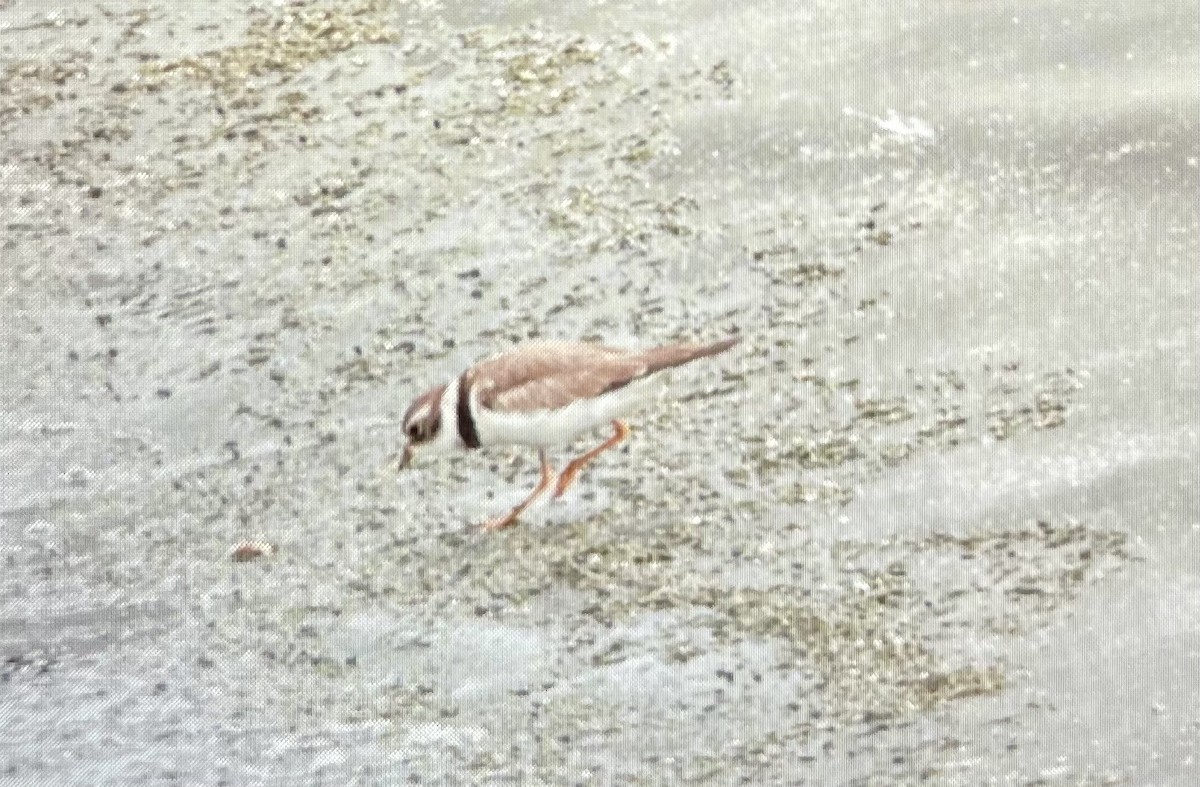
(620, 433)
(508, 519)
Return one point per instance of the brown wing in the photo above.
(670, 355)
(548, 375)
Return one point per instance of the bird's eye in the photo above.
(414, 431)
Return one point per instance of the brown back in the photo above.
(547, 375)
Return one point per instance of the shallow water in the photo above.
(935, 519)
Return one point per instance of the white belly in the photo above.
(545, 428)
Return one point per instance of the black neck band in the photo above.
(466, 421)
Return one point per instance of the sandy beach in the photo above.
(934, 521)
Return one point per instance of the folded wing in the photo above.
(547, 375)
(550, 375)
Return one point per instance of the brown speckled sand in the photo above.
(934, 521)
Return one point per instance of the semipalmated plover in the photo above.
(543, 394)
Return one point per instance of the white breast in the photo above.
(544, 428)
(447, 438)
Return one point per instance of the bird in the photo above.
(543, 393)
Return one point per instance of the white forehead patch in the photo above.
(420, 414)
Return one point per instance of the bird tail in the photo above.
(672, 355)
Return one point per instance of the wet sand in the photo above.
(935, 520)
